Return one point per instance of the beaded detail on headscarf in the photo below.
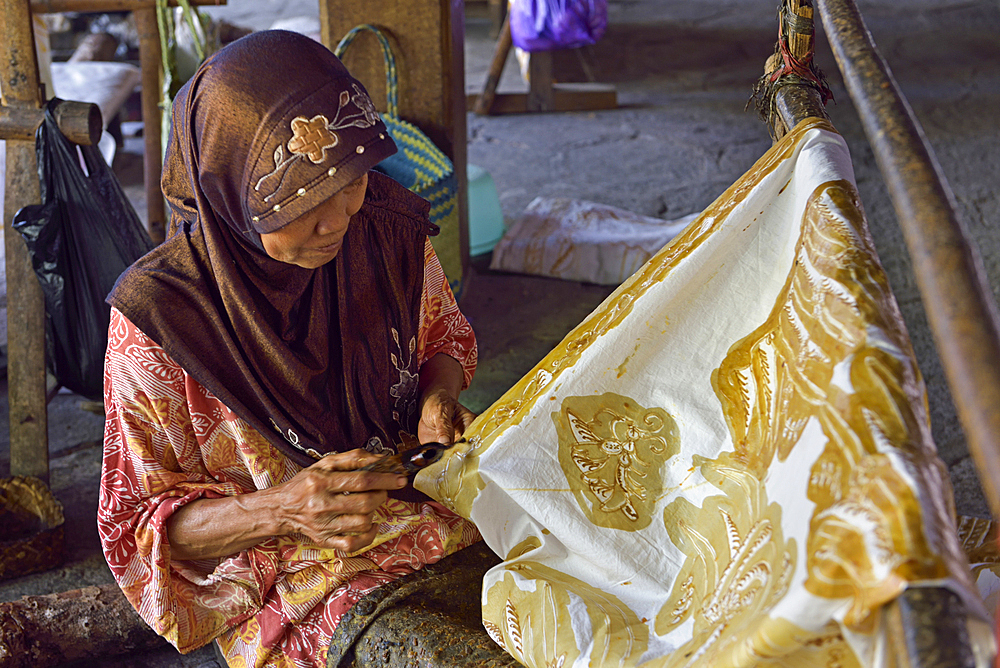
(312, 137)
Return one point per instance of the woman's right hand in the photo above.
(329, 503)
(332, 503)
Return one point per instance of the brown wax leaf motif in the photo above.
(738, 566)
(613, 451)
(535, 626)
(835, 350)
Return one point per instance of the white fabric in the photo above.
(585, 241)
(729, 462)
(106, 84)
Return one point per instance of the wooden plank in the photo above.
(565, 97)
(29, 441)
(428, 39)
(57, 6)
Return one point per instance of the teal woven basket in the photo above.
(419, 165)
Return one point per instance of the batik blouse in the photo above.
(169, 441)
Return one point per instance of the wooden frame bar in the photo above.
(150, 63)
(80, 122)
(29, 439)
(926, 626)
(56, 6)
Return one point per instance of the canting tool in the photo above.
(410, 461)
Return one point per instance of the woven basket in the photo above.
(31, 527)
(418, 165)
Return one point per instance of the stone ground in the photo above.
(683, 71)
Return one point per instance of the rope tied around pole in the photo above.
(791, 69)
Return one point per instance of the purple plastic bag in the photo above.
(544, 25)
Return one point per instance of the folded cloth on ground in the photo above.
(582, 241)
(728, 463)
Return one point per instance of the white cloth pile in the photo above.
(584, 241)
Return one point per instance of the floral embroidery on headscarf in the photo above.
(312, 137)
(365, 104)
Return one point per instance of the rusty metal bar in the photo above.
(29, 440)
(962, 314)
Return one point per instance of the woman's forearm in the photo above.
(441, 372)
(332, 503)
(208, 528)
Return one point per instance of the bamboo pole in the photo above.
(800, 29)
(151, 64)
(949, 271)
(794, 104)
(29, 445)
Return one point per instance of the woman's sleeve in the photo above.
(443, 328)
(153, 465)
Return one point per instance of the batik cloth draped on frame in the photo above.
(729, 463)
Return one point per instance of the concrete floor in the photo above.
(680, 136)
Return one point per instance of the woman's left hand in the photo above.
(442, 418)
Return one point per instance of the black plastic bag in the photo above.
(81, 238)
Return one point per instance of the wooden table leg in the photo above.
(541, 96)
(484, 103)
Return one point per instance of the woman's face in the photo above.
(315, 237)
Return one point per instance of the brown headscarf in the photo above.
(317, 360)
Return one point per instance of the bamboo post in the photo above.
(151, 64)
(800, 29)
(29, 444)
(791, 104)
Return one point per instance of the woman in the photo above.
(294, 327)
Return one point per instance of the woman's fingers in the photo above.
(462, 419)
(331, 500)
(436, 419)
(340, 473)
